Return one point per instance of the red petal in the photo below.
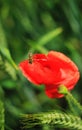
(52, 92)
(61, 65)
(59, 60)
(71, 80)
(38, 72)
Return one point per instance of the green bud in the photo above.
(63, 89)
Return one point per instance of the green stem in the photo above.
(71, 100)
(70, 105)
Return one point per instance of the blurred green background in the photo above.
(37, 26)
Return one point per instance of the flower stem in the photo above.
(72, 101)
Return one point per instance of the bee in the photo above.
(30, 57)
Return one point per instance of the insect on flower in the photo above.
(30, 57)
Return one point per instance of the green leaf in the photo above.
(1, 115)
(49, 36)
(9, 84)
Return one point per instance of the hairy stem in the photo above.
(73, 103)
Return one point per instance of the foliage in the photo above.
(37, 26)
(57, 119)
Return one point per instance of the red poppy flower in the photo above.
(52, 70)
